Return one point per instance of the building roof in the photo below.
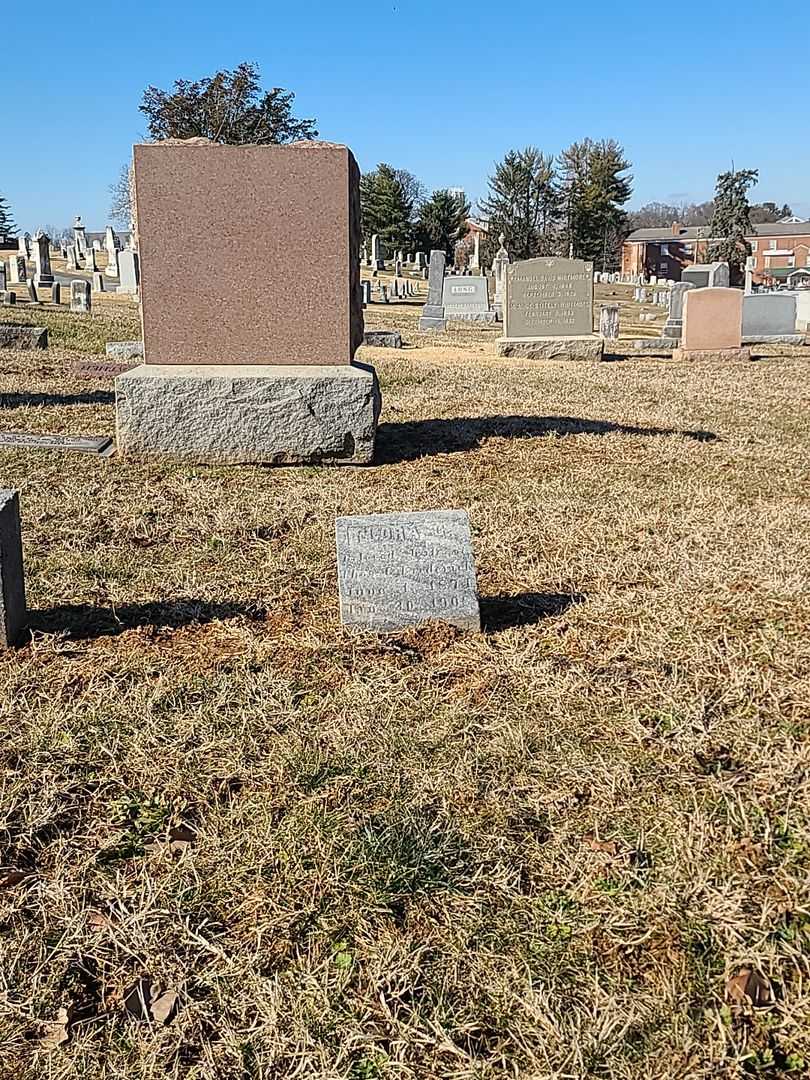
(701, 232)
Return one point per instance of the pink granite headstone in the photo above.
(712, 319)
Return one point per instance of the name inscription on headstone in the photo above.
(549, 298)
(397, 570)
(466, 295)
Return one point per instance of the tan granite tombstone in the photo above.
(248, 254)
(712, 320)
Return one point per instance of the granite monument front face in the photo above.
(284, 222)
(465, 296)
(549, 298)
(397, 570)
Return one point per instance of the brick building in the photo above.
(665, 252)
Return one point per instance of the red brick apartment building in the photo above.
(665, 252)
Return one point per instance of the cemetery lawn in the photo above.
(575, 845)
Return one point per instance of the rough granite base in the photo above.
(585, 347)
(276, 414)
(426, 323)
(718, 355)
(773, 339)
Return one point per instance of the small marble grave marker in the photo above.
(397, 570)
(87, 444)
(80, 296)
(12, 580)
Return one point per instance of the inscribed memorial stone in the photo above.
(549, 298)
(397, 570)
(467, 298)
(290, 215)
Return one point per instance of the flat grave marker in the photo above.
(398, 570)
(86, 444)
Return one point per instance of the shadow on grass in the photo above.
(91, 397)
(413, 439)
(524, 609)
(86, 621)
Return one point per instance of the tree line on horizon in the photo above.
(571, 204)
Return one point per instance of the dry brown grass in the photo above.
(537, 852)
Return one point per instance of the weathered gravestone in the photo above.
(769, 316)
(12, 579)
(125, 350)
(673, 327)
(609, 322)
(56, 293)
(42, 259)
(111, 246)
(548, 311)
(707, 275)
(499, 266)
(80, 296)
(98, 282)
(467, 299)
(129, 271)
(712, 325)
(79, 238)
(90, 264)
(377, 262)
(13, 336)
(432, 317)
(17, 272)
(72, 258)
(235, 369)
(397, 570)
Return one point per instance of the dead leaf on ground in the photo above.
(607, 847)
(55, 1032)
(12, 877)
(97, 920)
(748, 987)
(146, 1001)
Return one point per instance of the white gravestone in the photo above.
(398, 570)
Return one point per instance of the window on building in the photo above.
(772, 244)
(754, 245)
(791, 260)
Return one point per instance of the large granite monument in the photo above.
(397, 570)
(712, 325)
(249, 366)
(548, 311)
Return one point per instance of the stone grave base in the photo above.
(23, 337)
(773, 339)
(429, 323)
(290, 414)
(586, 347)
(712, 354)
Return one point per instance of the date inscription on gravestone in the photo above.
(397, 570)
(549, 298)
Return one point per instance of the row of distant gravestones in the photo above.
(394, 570)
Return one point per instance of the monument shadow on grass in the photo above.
(524, 609)
(414, 439)
(87, 621)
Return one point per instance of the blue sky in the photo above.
(441, 87)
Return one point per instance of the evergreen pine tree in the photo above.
(594, 189)
(523, 203)
(731, 221)
(388, 198)
(7, 226)
(442, 222)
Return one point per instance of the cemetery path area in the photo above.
(239, 841)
